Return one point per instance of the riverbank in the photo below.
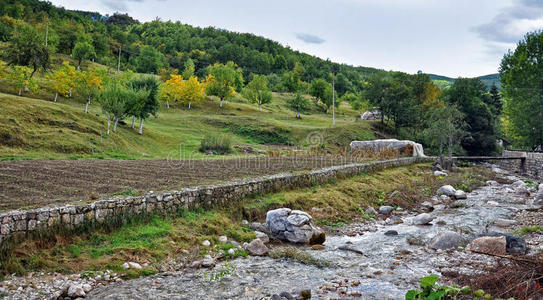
(172, 245)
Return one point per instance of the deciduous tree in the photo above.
(27, 48)
(299, 104)
(83, 50)
(171, 89)
(88, 85)
(192, 91)
(21, 78)
(145, 103)
(226, 79)
(257, 91)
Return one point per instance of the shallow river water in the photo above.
(388, 266)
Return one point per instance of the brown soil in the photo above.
(39, 183)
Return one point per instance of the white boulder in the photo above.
(447, 190)
(378, 145)
(292, 225)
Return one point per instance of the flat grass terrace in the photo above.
(36, 183)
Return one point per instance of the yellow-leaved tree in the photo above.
(88, 85)
(21, 78)
(192, 91)
(63, 80)
(171, 89)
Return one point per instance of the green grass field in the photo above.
(40, 129)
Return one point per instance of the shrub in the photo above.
(216, 144)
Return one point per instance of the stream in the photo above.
(364, 262)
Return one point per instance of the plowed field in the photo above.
(39, 183)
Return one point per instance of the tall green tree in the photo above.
(113, 99)
(83, 50)
(146, 102)
(321, 90)
(471, 98)
(257, 91)
(446, 129)
(26, 48)
(226, 79)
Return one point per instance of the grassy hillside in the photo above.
(40, 129)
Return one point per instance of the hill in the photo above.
(38, 129)
(488, 80)
(157, 46)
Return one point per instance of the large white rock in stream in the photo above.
(378, 145)
(294, 226)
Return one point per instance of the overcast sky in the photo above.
(448, 37)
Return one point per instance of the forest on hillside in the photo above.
(463, 116)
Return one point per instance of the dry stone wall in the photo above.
(21, 222)
(534, 163)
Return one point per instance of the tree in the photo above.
(88, 85)
(171, 89)
(471, 96)
(188, 72)
(83, 50)
(299, 104)
(495, 100)
(27, 48)
(322, 91)
(149, 60)
(226, 79)
(113, 99)
(257, 91)
(521, 76)
(64, 78)
(60, 82)
(291, 82)
(145, 102)
(446, 128)
(192, 91)
(21, 77)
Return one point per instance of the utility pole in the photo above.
(46, 33)
(119, 63)
(334, 97)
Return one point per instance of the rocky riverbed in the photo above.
(377, 259)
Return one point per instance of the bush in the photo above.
(216, 144)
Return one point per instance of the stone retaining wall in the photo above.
(70, 216)
(534, 163)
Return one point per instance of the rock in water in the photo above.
(459, 194)
(257, 248)
(447, 190)
(423, 219)
(385, 209)
(447, 240)
(514, 244)
(496, 245)
(294, 226)
(504, 222)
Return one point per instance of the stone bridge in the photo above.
(525, 163)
